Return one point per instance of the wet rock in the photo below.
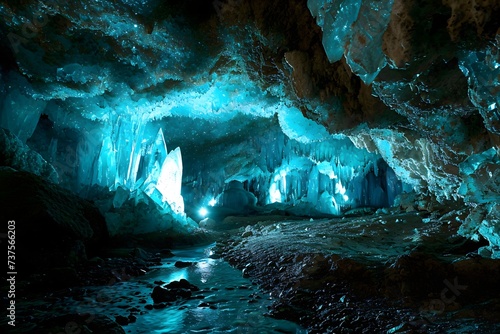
(183, 264)
(161, 295)
(182, 284)
(173, 291)
(245, 272)
(121, 320)
(139, 253)
(166, 253)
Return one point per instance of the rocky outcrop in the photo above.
(55, 228)
(15, 154)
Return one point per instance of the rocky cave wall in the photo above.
(413, 82)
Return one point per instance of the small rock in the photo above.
(160, 295)
(182, 284)
(182, 264)
(173, 291)
(207, 223)
(121, 320)
(247, 234)
(166, 253)
(245, 273)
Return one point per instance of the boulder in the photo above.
(173, 291)
(14, 153)
(55, 228)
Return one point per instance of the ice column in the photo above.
(170, 181)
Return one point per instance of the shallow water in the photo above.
(228, 302)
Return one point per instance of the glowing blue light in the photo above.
(203, 212)
(274, 194)
(212, 202)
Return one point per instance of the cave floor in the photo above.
(391, 272)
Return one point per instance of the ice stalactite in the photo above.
(335, 19)
(354, 29)
(482, 69)
(369, 29)
(317, 172)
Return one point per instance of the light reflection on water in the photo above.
(205, 270)
(235, 308)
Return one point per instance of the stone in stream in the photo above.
(182, 284)
(173, 291)
(121, 320)
(182, 264)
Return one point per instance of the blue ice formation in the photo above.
(481, 179)
(481, 172)
(354, 29)
(326, 176)
(236, 198)
(122, 87)
(482, 69)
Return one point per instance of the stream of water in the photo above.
(226, 302)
